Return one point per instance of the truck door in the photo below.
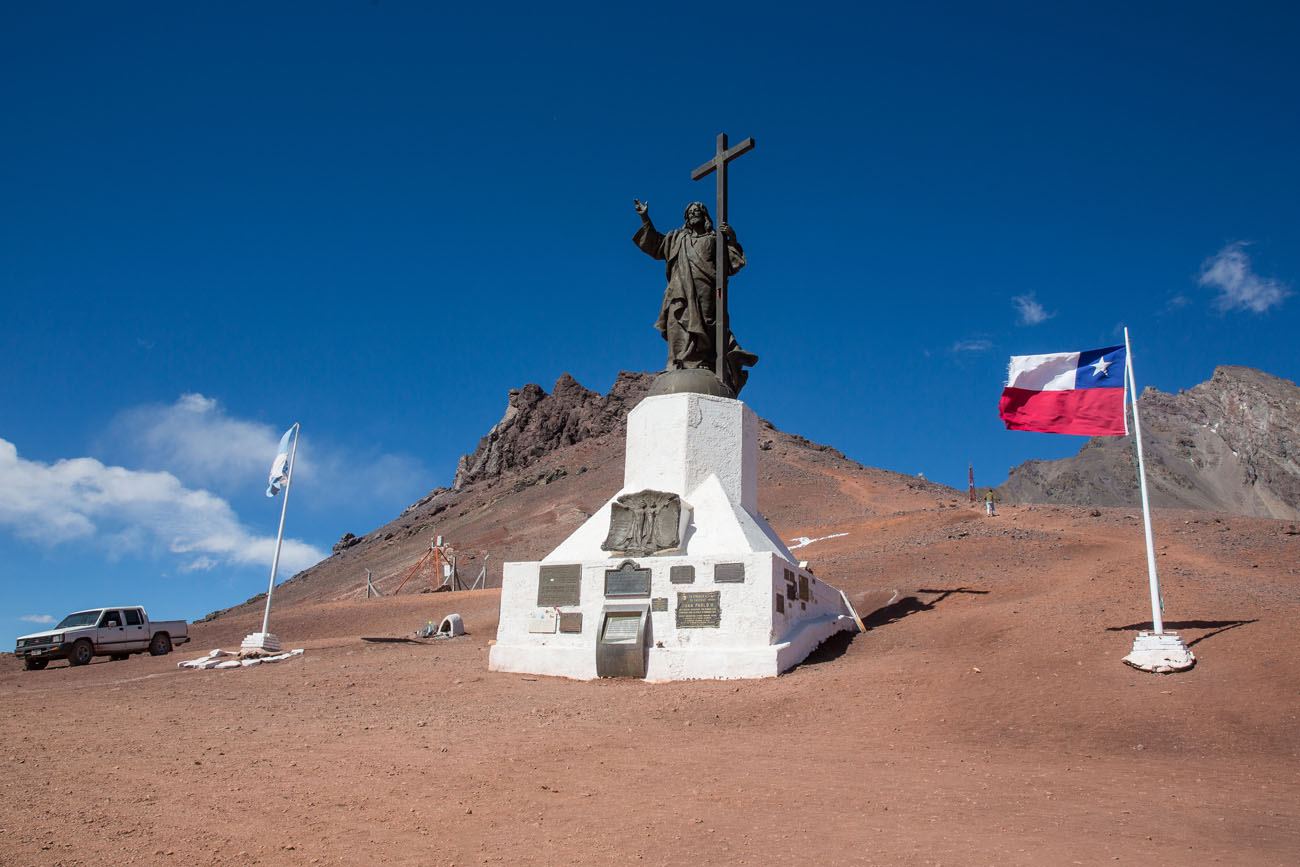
(137, 632)
(110, 632)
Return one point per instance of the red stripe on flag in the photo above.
(1082, 411)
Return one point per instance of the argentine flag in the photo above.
(279, 467)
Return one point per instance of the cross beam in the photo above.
(718, 164)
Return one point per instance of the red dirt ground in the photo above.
(988, 720)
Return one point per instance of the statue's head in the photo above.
(697, 218)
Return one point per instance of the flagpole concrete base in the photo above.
(1161, 654)
(267, 642)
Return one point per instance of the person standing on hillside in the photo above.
(989, 500)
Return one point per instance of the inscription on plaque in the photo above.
(682, 575)
(803, 588)
(542, 622)
(659, 603)
(699, 610)
(780, 604)
(571, 621)
(559, 585)
(729, 573)
(628, 580)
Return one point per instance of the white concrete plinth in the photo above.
(1163, 653)
(265, 641)
(771, 613)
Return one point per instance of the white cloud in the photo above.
(1240, 288)
(37, 618)
(1031, 312)
(131, 510)
(977, 344)
(196, 439)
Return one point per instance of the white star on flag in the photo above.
(1100, 366)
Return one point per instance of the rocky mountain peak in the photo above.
(536, 423)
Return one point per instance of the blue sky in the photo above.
(375, 218)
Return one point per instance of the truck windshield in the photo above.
(81, 618)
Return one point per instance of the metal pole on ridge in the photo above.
(1157, 621)
(279, 536)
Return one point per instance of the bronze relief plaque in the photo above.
(699, 610)
(644, 523)
(559, 585)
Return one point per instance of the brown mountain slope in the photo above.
(1231, 444)
(555, 458)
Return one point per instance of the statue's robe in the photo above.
(687, 316)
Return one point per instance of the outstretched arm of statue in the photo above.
(643, 209)
(647, 237)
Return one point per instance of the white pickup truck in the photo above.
(113, 632)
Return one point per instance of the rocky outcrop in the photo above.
(1231, 444)
(536, 423)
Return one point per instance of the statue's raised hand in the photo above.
(642, 208)
(728, 231)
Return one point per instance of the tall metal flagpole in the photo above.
(279, 536)
(1157, 621)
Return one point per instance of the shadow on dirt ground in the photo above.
(1177, 625)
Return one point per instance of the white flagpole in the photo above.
(1157, 622)
(279, 536)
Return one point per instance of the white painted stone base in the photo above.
(266, 641)
(1161, 654)
(770, 615)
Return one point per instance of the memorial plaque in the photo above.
(542, 622)
(729, 573)
(780, 604)
(571, 621)
(559, 585)
(803, 587)
(682, 575)
(699, 610)
(644, 523)
(659, 603)
(627, 581)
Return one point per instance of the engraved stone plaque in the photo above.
(790, 588)
(699, 610)
(628, 580)
(803, 587)
(542, 622)
(682, 575)
(659, 603)
(729, 573)
(571, 621)
(644, 523)
(780, 604)
(559, 585)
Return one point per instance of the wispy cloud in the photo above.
(41, 619)
(976, 344)
(201, 443)
(124, 510)
(1031, 312)
(1240, 288)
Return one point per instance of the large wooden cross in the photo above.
(718, 164)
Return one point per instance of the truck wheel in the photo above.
(161, 645)
(119, 657)
(82, 652)
(35, 664)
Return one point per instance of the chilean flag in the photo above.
(1067, 392)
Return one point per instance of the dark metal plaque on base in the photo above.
(659, 603)
(571, 621)
(559, 585)
(628, 580)
(699, 610)
(729, 573)
(682, 575)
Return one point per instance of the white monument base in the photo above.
(729, 601)
(1162, 654)
(265, 641)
